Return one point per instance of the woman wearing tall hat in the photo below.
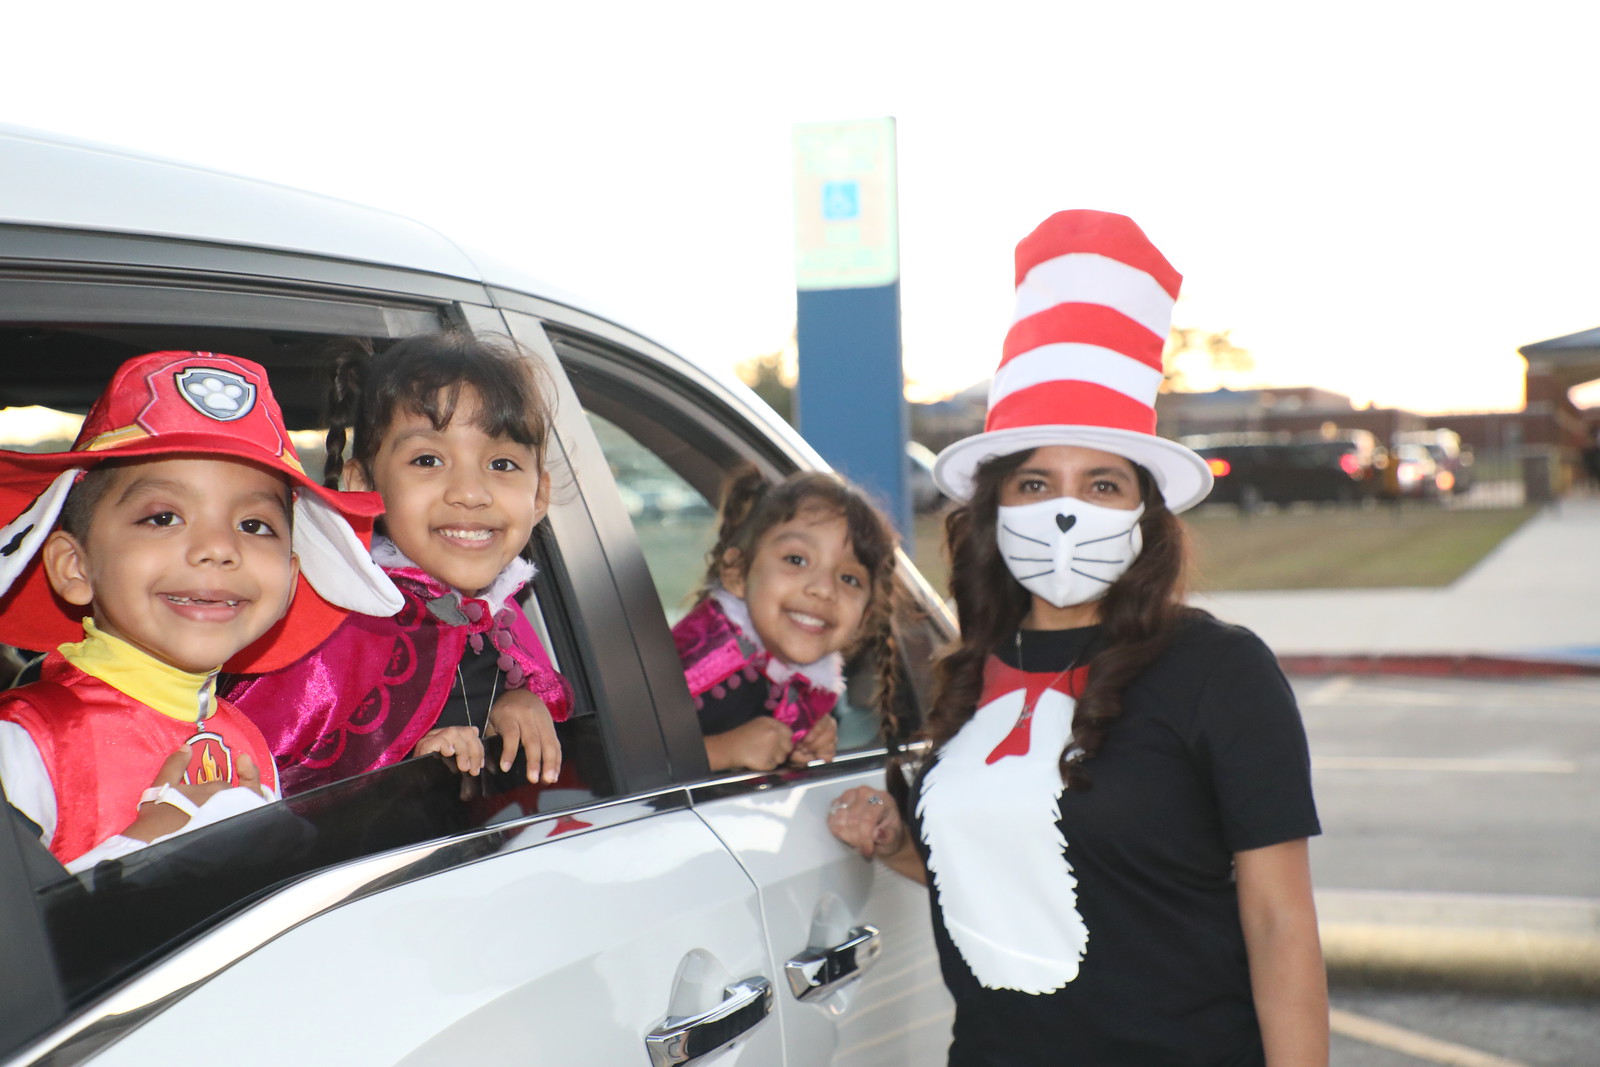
(1113, 815)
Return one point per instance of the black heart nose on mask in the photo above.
(1066, 522)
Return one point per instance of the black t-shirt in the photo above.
(1119, 918)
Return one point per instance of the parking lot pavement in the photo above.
(1535, 597)
(1460, 821)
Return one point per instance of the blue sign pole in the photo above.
(850, 400)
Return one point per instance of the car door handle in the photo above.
(686, 1038)
(816, 972)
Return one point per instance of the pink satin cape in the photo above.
(364, 698)
(713, 650)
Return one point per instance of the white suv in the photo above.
(639, 912)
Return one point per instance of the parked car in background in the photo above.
(640, 910)
(1255, 469)
(1452, 458)
(925, 494)
(1417, 474)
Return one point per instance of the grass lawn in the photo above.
(1315, 548)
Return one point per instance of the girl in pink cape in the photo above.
(802, 572)
(450, 430)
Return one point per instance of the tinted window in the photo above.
(669, 464)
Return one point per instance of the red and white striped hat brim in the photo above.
(1082, 361)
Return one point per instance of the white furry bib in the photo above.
(988, 809)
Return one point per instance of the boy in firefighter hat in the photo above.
(187, 530)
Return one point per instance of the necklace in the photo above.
(466, 704)
(1018, 740)
(1069, 668)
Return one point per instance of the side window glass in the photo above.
(676, 523)
(670, 483)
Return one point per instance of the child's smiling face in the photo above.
(805, 589)
(187, 559)
(459, 503)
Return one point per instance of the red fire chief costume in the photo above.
(79, 747)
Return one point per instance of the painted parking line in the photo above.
(1346, 690)
(1410, 1043)
(1450, 764)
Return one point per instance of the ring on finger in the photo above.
(874, 799)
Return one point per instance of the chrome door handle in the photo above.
(817, 972)
(686, 1038)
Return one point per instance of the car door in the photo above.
(407, 915)
(850, 943)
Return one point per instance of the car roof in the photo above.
(59, 181)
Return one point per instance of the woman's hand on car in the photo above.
(868, 821)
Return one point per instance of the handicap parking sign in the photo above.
(841, 200)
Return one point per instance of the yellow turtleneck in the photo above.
(174, 693)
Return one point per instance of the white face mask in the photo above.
(1067, 551)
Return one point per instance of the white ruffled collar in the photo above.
(513, 576)
(826, 673)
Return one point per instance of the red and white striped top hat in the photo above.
(1082, 361)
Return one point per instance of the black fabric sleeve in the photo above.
(1248, 732)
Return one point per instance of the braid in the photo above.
(886, 697)
(741, 492)
(344, 401)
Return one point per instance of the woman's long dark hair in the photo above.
(1137, 616)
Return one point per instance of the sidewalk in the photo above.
(1532, 603)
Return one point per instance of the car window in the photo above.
(105, 927)
(676, 522)
(669, 459)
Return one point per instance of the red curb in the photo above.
(1435, 666)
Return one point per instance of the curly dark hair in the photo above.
(423, 375)
(751, 506)
(1138, 615)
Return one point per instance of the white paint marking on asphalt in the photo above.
(1367, 693)
(1411, 1043)
(1424, 765)
(1328, 692)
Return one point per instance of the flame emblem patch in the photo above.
(210, 759)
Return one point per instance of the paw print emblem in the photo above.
(217, 394)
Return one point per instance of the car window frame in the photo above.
(687, 401)
(92, 275)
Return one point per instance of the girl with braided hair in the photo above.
(802, 572)
(450, 429)
(1112, 818)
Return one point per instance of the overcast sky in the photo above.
(1383, 199)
